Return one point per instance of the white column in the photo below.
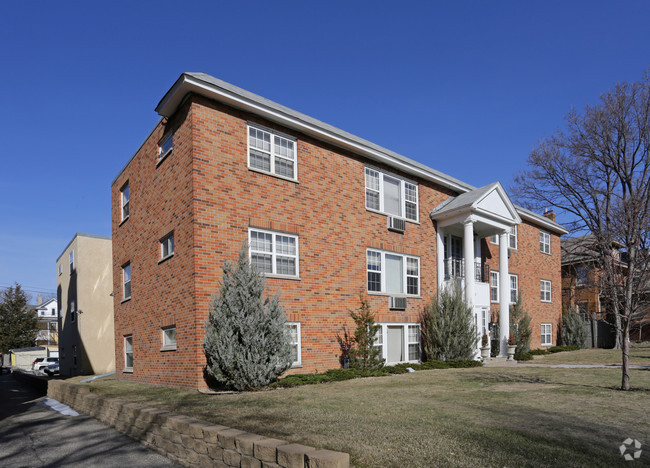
(504, 294)
(468, 251)
(441, 258)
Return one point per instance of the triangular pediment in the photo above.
(491, 201)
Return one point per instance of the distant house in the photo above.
(84, 290)
(581, 288)
(48, 325)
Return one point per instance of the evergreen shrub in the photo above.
(559, 349)
(520, 326)
(524, 356)
(247, 344)
(573, 329)
(363, 353)
(448, 331)
(336, 375)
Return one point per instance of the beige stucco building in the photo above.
(84, 293)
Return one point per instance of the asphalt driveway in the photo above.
(33, 435)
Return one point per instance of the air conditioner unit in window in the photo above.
(397, 303)
(396, 224)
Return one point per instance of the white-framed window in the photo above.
(271, 152)
(485, 321)
(582, 274)
(494, 286)
(413, 342)
(71, 261)
(544, 242)
(167, 246)
(124, 201)
(60, 268)
(512, 238)
(393, 273)
(169, 337)
(128, 352)
(392, 195)
(73, 312)
(274, 253)
(399, 342)
(547, 334)
(126, 281)
(545, 290)
(166, 145)
(295, 340)
(514, 288)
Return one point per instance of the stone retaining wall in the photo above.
(191, 442)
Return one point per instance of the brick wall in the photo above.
(162, 294)
(206, 193)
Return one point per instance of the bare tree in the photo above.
(596, 173)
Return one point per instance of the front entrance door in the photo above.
(395, 345)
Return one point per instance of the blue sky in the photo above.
(465, 87)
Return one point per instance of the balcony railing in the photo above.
(455, 268)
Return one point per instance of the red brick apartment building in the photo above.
(326, 214)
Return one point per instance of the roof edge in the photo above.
(82, 234)
(214, 88)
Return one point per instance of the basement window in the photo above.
(169, 338)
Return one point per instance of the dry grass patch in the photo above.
(456, 417)
(639, 355)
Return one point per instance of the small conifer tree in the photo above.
(520, 326)
(448, 331)
(246, 343)
(573, 329)
(364, 355)
(18, 325)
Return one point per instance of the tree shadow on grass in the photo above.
(523, 436)
(519, 378)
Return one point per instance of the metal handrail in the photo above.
(455, 268)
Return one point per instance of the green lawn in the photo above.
(528, 416)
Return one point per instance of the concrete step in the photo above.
(499, 362)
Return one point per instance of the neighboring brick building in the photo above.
(326, 214)
(84, 285)
(581, 289)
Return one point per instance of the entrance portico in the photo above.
(461, 223)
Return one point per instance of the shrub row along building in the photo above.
(326, 215)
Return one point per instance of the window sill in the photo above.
(127, 299)
(168, 348)
(124, 220)
(164, 259)
(547, 344)
(296, 366)
(272, 174)
(163, 157)
(287, 277)
(409, 296)
(546, 302)
(498, 245)
(388, 214)
(128, 370)
(545, 253)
